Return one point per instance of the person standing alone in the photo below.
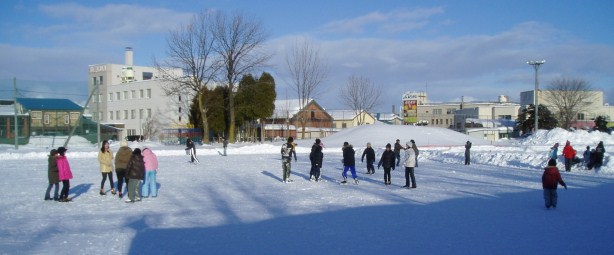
(410, 163)
(550, 181)
(287, 150)
(569, 154)
(370, 153)
(468, 153)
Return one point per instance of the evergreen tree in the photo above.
(601, 124)
(526, 119)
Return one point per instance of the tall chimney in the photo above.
(128, 56)
(394, 111)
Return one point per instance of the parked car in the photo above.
(135, 138)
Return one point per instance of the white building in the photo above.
(132, 98)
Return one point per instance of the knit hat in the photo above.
(318, 141)
(62, 150)
(290, 139)
(388, 145)
(53, 152)
(551, 162)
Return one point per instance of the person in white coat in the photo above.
(409, 163)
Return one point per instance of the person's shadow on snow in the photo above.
(80, 189)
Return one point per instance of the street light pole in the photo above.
(536, 65)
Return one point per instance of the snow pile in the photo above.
(579, 139)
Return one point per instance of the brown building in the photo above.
(290, 117)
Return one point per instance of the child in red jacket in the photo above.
(550, 180)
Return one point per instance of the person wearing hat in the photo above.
(64, 174)
(397, 151)
(370, 153)
(387, 160)
(316, 157)
(550, 180)
(349, 163)
(409, 163)
(54, 178)
(123, 155)
(135, 172)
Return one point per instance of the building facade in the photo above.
(132, 98)
(593, 107)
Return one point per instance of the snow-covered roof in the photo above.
(287, 108)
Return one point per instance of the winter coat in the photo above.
(106, 161)
(54, 176)
(410, 158)
(467, 148)
(348, 156)
(387, 160)
(554, 152)
(551, 178)
(586, 156)
(370, 153)
(397, 148)
(63, 168)
(135, 168)
(599, 152)
(151, 161)
(568, 151)
(122, 157)
(415, 148)
(290, 149)
(316, 156)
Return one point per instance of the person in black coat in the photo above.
(135, 172)
(370, 153)
(468, 153)
(599, 152)
(349, 162)
(387, 160)
(316, 156)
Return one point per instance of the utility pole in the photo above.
(536, 65)
(15, 119)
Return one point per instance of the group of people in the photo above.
(389, 159)
(131, 167)
(591, 158)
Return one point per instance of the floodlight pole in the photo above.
(536, 65)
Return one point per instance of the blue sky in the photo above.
(475, 49)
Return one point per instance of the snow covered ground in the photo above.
(238, 204)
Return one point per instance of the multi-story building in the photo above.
(593, 107)
(132, 98)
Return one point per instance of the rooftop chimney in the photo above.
(128, 56)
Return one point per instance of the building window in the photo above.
(580, 116)
(125, 114)
(344, 125)
(179, 109)
(437, 111)
(313, 114)
(94, 81)
(148, 93)
(147, 76)
(111, 115)
(133, 94)
(450, 111)
(148, 113)
(180, 119)
(118, 95)
(66, 119)
(141, 113)
(142, 95)
(117, 115)
(101, 80)
(125, 95)
(37, 115)
(46, 119)
(110, 97)
(133, 114)
(179, 98)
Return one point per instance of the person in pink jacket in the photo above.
(151, 167)
(64, 173)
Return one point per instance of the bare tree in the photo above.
(569, 96)
(190, 48)
(307, 71)
(239, 44)
(361, 95)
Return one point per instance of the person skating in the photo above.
(416, 151)
(105, 158)
(151, 169)
(53, 176)
(349, 163)
(316, 157)
(554, 152)
(550, 180)
(387, 161)
(64, 173)
(135, 172)
(569, 154)
(123, 155)
(397, 151)
(370, 154)
(410, 163)
(468, 153)
(287, 150)
(191, 149)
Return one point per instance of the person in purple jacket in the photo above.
(151, 168)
